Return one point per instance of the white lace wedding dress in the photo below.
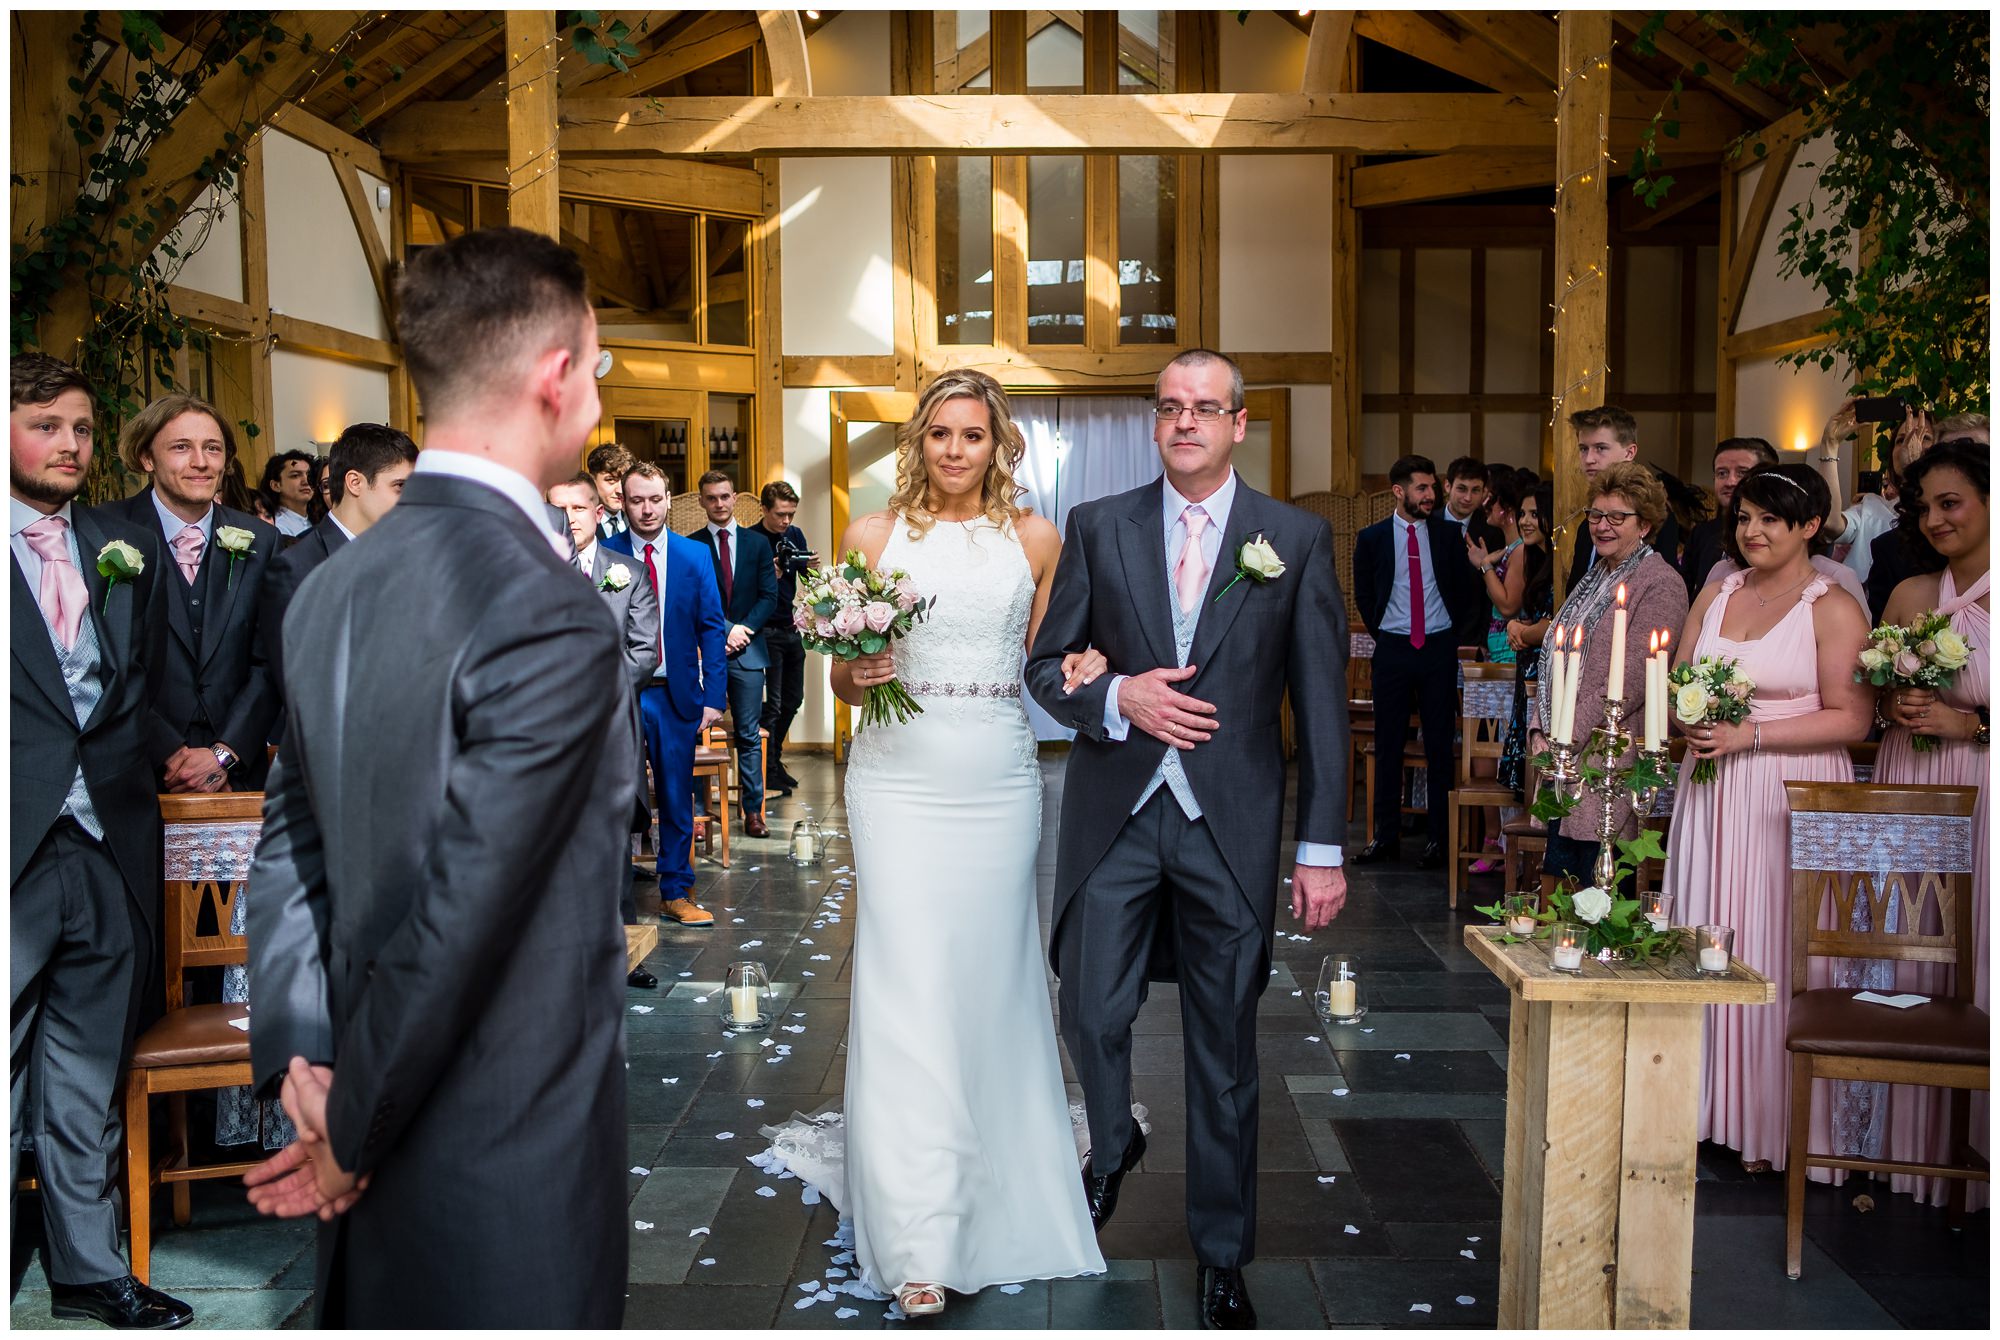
(956, 1160)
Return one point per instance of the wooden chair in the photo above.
(209, 842)
(1882, 853)
(1485, 710)
(1360, 706)
(714, 766)
(1414, 758)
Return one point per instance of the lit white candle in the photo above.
(802, 848)
(1714, 960)
(1567, 956)
(1572, 680)
(1652, 692)
(743, 1004)
(1614, 682)
(1666, 686)
(1521, 925)
(1658, 921)
(1552, 689)
(1340, 998)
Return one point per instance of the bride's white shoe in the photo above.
(919, 1299)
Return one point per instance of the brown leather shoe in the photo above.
(754, 826)
(686, 913)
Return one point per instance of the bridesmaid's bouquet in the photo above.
(850, 609)
(1710, 690)
(1927, 654)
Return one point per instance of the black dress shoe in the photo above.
(124, 1304)
(1225, 1303)
(784, 778)
(1433, 857)
(1381, 849)
(642, 979)
(1101, 1193)
(754, 826)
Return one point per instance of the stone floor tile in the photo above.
(1739, 1271)
(1282, 1292)
(1104, 1305)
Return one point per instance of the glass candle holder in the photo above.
(1517, 914)
(749, 1003)
(1567, 948)
(1340, 998)
(1713, 946)
(1657, 908)
(808, 843)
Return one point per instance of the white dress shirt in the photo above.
(586, 557)
(512, 485)
(1173, 509)
(341, 526)
(1868, 520)
(1396, 618)
(171, 525)
(290, 523)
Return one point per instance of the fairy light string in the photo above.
(1594, 273)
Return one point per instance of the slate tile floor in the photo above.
(1413, 1146)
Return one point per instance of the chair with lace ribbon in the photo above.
(1485, 707)
(209, 842)
(1895, 865)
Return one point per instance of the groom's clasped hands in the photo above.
(1151, 703)
(303, 1178)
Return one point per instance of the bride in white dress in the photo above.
(960, 1165)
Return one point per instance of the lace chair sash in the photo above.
(198, 853)
(1831, 841)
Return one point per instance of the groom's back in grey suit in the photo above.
(1144, 888)
(431, 907)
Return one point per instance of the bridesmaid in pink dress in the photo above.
(1944, 506)
(1796, 636)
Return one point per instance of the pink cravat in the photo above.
(187, 551)
(63, 593)
(1191, 571)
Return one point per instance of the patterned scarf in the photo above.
(1584, 607)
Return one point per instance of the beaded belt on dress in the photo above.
(924, 688)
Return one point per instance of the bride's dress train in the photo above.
(954, 1158)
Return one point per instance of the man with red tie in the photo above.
(685, 694)
(746, 573)
(1414, 587)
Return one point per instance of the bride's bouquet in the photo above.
(850, 610)
(1710, 690)
(1927, 654)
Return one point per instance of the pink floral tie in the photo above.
(187, 551)
(1191, 571)
(63, 594)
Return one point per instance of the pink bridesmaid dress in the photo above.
(1917, 1125)
(1729, 864)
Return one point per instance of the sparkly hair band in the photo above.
(1787, 478)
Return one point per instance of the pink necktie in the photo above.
(1191, 571)
(63, 593)
(1416, 590)
(187, 551)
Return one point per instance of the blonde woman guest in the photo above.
(1626, 507)
(958, 1163)
(1945, 524)
(1796, 636)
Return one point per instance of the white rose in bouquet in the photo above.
(1591, 905)
(1952, 651)
(1691, 703)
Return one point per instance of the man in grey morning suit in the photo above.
(84, 849)
(1170, 834)
(433, 932)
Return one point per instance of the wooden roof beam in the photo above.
(1751, 99)
(1326, 51)
(1369, 123)
(1417, 35)
(482, 32)
(711, 38)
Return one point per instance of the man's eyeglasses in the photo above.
(1166, 411)
(1595, 515)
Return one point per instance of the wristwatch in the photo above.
(1982, 734)
(223, 757)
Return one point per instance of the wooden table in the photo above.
(639, 942)
(1603, 1091)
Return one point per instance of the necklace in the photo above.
(1764, 602)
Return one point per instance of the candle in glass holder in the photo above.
(1656, 908)
(1340, 997)
(1614, 682)
(743, 1004)
(1567, 957)
(1566, 952)
(1714, 943)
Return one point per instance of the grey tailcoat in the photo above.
(433, 913)
(1252, 644)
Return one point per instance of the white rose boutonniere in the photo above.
(1256, 560)
(234, 541)
(616, 578)
(1591, 905)
(118, 562)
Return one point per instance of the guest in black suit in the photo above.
(785, 681)
(368, 465)
(1735, 457)
(746, 573)
(433, 938)
(1468, 488)
(1605, 436)
(85, 845)
(212, 696)
(1415, 588)
(607, 465)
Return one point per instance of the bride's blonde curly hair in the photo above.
(997, 492)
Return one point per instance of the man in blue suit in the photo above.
(746, 573)
(685, 695)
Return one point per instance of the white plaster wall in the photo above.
(1263, 54)
(318, 269)
(851, 53)
(1516, 314)
(314, 398)
(1444, 322)
(1783, 405)
(839, 284)
(1312, 439)
(216, 266)
(1769, 298)
(1277, 263)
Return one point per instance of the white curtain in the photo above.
(1080, 448)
